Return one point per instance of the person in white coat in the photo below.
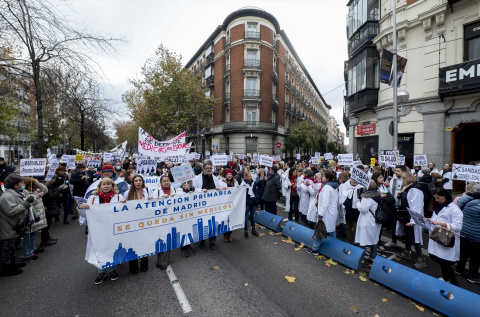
(327, 209)
(313, 189)
(348, 193)
(187, 189)
(106, 192)
(395, 186)
(446, 215)
(368, 231)
(302, 188)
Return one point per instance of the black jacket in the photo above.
(259, 187)
(80, 185)
(51, 201)
(272, 188)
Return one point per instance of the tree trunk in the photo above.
(82, 130)
(38, 100)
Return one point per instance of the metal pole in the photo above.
(394, 71)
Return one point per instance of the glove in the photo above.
(29, 199)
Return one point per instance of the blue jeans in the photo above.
(250, 211)
(317, 242)
(25, 249)
(294, 208)
(106, 270)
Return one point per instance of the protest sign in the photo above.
(372, 161)
(207, 152)
(190, 156)
(94, 163)
(120, 150)
(152, 181)
(328, 156)
(182, 173)
(255, 157)
(315, 159)
(401, 159)
(299, 156)
(147, 145)
(78, 158)
(70, 160)
(219, 160)
(33, 167)
(283, 155)
(345, 159)
(198, 156)
(420, 160)
(463, 172)
(229, 158)
(390, 158)
(51, 171)
(360, 177)
(355, 163)
(266, 160)
(51, 157)
(419, 219)
(318, 154)
(231, 153)
(155, 226)
(145, 167)
(107, 157)
(241, 156)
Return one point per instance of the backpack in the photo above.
(380, 214)
(428, 199)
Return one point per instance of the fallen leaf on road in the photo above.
(287, 240)
(275, 243)
(298, 249)
(362, 274)
(397, 259)
(246, 284)
(290, 279)
(319, 257)
(332, 262)
(214, 267)
(327, 264)
(278, 234)
(301, 245)
(261, 234)
(271, 233)
(384, 300)
(347, 272)
(363, 279)
(420, 308)
(354, 309)
(352, 271)
(261, 227)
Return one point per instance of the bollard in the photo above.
(347, 254)
(268, 220)
(444, 297)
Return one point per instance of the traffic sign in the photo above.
(279, 144)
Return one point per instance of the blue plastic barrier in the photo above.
(268, 220)
(444, 297)
(347, 254)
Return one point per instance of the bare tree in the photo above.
(47, 36)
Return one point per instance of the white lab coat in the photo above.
(415, 202)
(313, 190)
(327, 207)
(305, 197)
(287, 192)
(146, 193)
(198, 181)
(368, 231)
(285, 180)
(453, 217)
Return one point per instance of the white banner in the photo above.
(390, 158)
(120, 149)
(266, 160)
(241, 156)
(33, 167)
(94, 163)
(107, 157)
(345, 159)
(152, 181)
(182, 173)
(462, 172)
(420, 160)
(147, 227)
(328, 156)
(355, 163)
(299, 156)
(147, 145)
(146, 167)
(360, 177)
(207, 153)
(51, 171)
(70, 160)
(219, 160)
(401, 160)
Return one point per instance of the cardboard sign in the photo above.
(462, 172)
(146, 167)
(345, 159)
(33, 167)
(70, 160)
(78, 158)
(360, 177)
(219, 160)
(182, 173)
(355, 163)
(318, 154)
(51, 171)
(390, 158)
(328, 156)
(420, 160)
(266, 160)
(372, 161)
(401, 160)
(299, 156)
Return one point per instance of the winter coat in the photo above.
(122, 186)
(453, 217)
(368, 231)
(13, 210)
(51, 201)
(328, 205)
(80, 185)
(272, 188)
(470, 205)
(248, 185)
(259, 187)
(38, 207)
(313, 190)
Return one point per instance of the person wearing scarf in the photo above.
(305, 195)
(250, 204)
(446, 215)
(314, 187)
(187, 188)
(291, 195)
(15, 209)
(105, 193)
(166, 191)
(230, 181)
(137, 191)
(348, 194)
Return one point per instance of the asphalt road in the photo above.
(248, 280)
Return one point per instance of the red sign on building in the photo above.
(279, 144)
(366, 129)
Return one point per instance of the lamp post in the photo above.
(394, 71)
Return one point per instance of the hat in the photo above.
(80, 166)
(12, 179)
(60, 169)
(2, 159)
(425, 171)
(107, 167)
(229, 171)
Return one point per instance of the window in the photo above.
(252, 54)
(363, 71)
(361, 11)
(251, 116)
(251, 89)
(472, 41)
(252, 31)
(250, 145)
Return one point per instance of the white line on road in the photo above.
(182, 299)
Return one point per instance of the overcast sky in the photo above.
(316, 29)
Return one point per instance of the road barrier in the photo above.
(268, 220)
(444, 297)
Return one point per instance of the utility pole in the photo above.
(395, 106)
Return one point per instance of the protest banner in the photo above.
(33, 167)
(317, 154)
(229, 158)
(190, 156)
(419, 219)
(219, 160)
(207, 153)
(152, 181)
(149, 227)
(355, 163)
(420, 160)
(266, 160)
(51, 171)
(360, 177)
(51, 158)
(70, 160)
(345, 159)
(390, 158)
(107, 157)
(78, 158)
(241, 156)
(94, 163)
(299, 156)
(120, 149)
(462, 172)
(401, 159)
(147, 145)
(372, 161)
(198, 156)
(145, 167)
(182, 173)
(328, 156)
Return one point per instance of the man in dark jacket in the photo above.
(5, 169)
(272, 190)
(80, 181)
(427, 184)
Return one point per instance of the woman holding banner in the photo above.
(187, 188)
(229, 181)
(166, 190)
(105, 193)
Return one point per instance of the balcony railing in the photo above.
(275, 75)
(251, 93)
(288, 108)
(226, 98)
(227, 43)
(249, 125)
(209, 81)
(287, 85)
(226, 71)
(275, 45)
(363, 100)
(365, 34)
(203, 65)
(251, 63)
(274, 99)
(252, 35)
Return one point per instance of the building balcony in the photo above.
(226, 99)
(294, 90)
(209, 60)
(227, 43)
(287, 84)
(252, 35)
(274, 103)
(248, 126)
(204, 65)
(345, 115)
(209, 81)
(226, 71)
(251, 64)
(363, 35)
(364, 100)
(275, 45)
(288, 108)
(275, 75)
(251, 94)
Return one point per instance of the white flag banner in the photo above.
(120, 149)
(345, 159)
(154, 226)
(33, 167)
(360, 177)
(266, 160)
(147, 145)
(182, 173)
(146, 167)
(462, 172)
(420, 160)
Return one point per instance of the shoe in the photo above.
(225, 237)
(53, 239)
(255, 233)
(312, 251)
(213, 246)
(380, 248)
(404, 255)
(33, 257)
(74, 217)
(461, 273)
(162, 267)
(66, 222)
(133, 267)
(368, 258)
(390, 244)
(420, 264)
(114, 275)
(100, 278)
(144, 268)
(38, 250)
(473, 280)
(191, 250)
(245, 234)
(47, 243)
(230, 239)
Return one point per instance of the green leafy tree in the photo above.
(306, 138)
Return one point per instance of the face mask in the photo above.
(118, 167)
(23, 187)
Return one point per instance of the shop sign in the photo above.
(366, 129)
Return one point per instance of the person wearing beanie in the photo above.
(109, 172)
(15, 215)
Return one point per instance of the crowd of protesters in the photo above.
(312, 192)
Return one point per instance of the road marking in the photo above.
(182, 299)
